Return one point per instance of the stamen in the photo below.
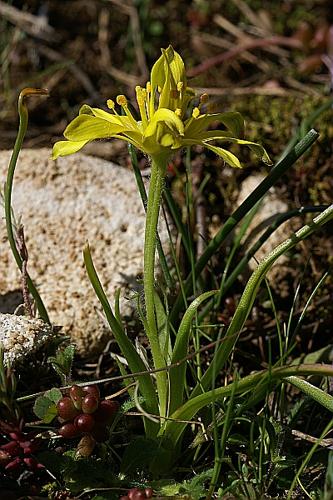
(196, 112)
(148, 87)
(180, 86)
(178, 112)
(141, 100)
(110, 104)
(121, 100)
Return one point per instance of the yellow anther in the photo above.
(110, 104)
(121, 100)
(204, 98)
(178, 112)
(148, 87)
(159, 88)
(140, 95)
(196, 112)
(180, 86)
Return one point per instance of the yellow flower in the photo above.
(165, 123)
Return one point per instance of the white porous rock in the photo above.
(21, 336)
(271, 206)
(62, 205)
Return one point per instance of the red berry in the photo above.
(69, 431)
(136, 494)
(84, 422)
(66, 409)
(89, 404)
(76, 394)
(106, 411)
(92, 390)
(149, 492)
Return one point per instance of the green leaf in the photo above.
(53, 394)
(45, 408)
(324, 399)
(62, 362)
(177, 374)
(135, 363)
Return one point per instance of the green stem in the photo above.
(158, 168)
(142, 190)
(23, 113)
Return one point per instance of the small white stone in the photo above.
(21, 336)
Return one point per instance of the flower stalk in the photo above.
(167, 120)
(158, 168)
(23, 114)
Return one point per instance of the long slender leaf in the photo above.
(241, 265)
(277, 171)
(177, 374)
(174, 427)
(135, 363)
(324, 399)
(249, 294)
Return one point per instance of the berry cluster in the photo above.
(138, 494)
(84, 412)
(16, 454)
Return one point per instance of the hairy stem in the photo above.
(153, 206)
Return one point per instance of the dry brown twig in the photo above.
(129, 9)
(23, 251)
(76, 71)
(249, 45)
(106, 60)
(36, 26)
(249, 90)
(223, 43)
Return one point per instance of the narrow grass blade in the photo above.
(241, 265)
(176, 217)
(277, 171)
(134, 361)
(173, 429)
(180, 350)
(249, 295)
